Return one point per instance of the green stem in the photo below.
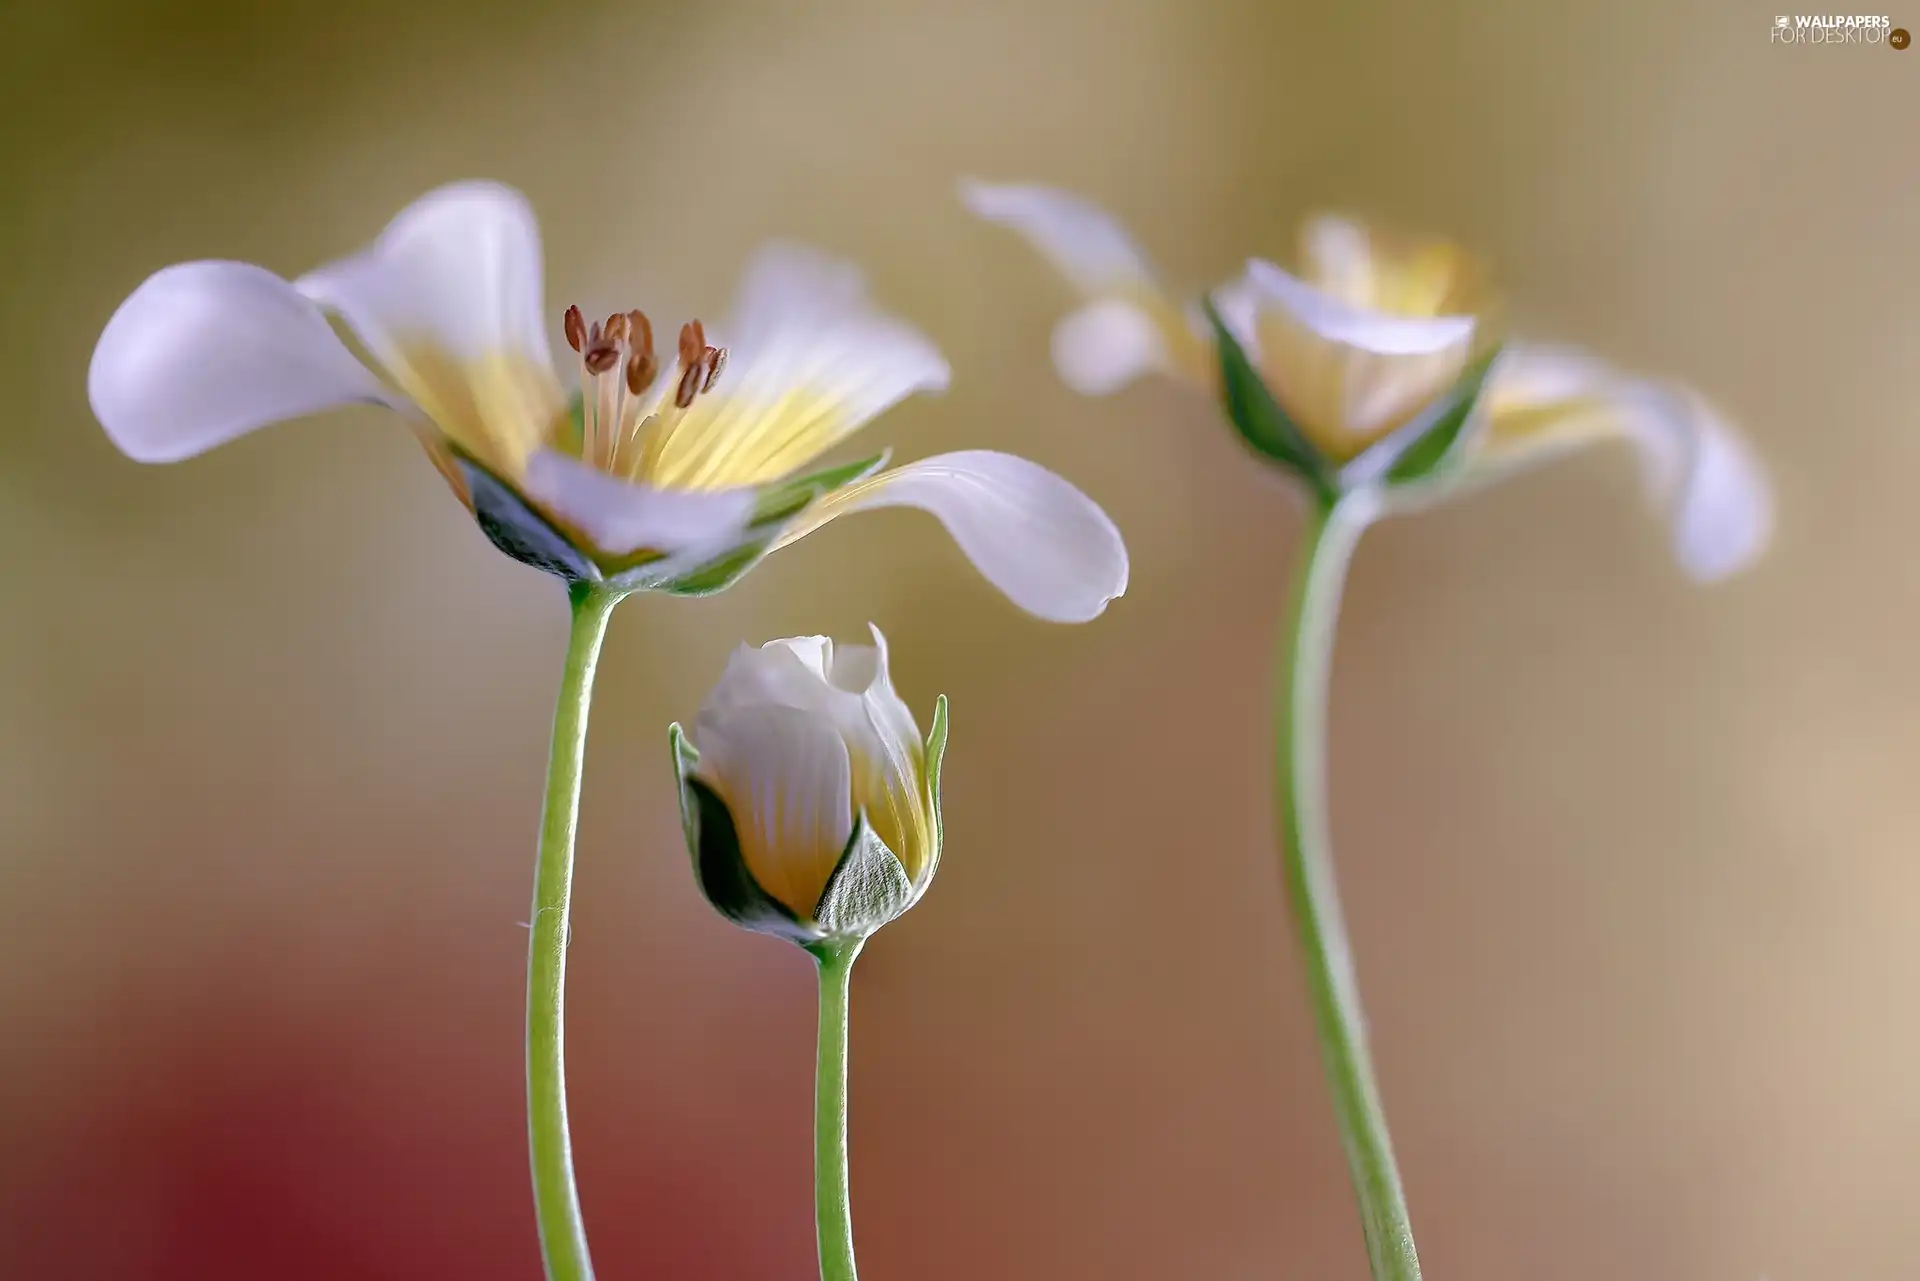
(556, 1201)
(832, 1208)
(1305, 661)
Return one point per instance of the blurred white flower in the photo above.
(675, 473)
(1365, 341)
(811, 802)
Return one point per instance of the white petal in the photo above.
(1532, 375)
(1543, 400)
(791, 672)
(890, 783)
(1105, 345)
(1714, 487)
(1343, 322)
(811, 360)
(1339, 255)
(863, 670)
(1042, 542)
(621, 517)
(203, 352)
(458, 269)
(786, 779)
(1084, 241)
(798, 672)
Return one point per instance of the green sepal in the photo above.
(868, 888)
(518, 530)
(1441, 435)
(936, 752)
(788, 498)
(1258, 417)
(716, 575)
(719, 868)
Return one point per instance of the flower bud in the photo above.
(811, 804)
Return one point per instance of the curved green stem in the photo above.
(832, 1208)
(1305, 661)
(556, 1201)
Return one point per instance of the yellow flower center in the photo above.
(624, 429)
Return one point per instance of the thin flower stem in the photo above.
(1304, 664)
(556, 1201)
(832, 1208)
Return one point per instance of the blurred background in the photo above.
(1629, 863)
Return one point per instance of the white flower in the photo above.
(811, 802)
(673, 469)
(1371, 334)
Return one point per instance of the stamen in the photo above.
(642, 330)
(690, 378)
(693, 342)
(576, 326)
(715, 359)
(616, 330)
(602, 356)
(641, 371)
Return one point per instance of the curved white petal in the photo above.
(890, 783)
(863, 670)
(1713, 486)
(1105, 345)
(459, 270)
(800, 672)
(203, 352)
(790, 672)
(1042, 542)
(786, 779)
(621, 517)
(1337, 320)
(1084, 241)
(1542, 400)
(811, 359)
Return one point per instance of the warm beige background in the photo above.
(1629, 863)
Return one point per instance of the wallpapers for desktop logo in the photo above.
(1855, 29)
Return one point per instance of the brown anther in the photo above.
(616, 328)
(715, 359)
(641, 369)
(693, 343)
(690, 378)
(576, 326)
(601, 357)
(642, 339)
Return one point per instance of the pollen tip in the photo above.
(690, 378)
(641, 370)
(715, 360)
(642, 329)
(602, 356)
(616, 327)
(576, 327)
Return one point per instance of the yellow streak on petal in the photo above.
(893, 794)
(1515, 429)
(724, 441)
(1395, 274)
(1342, 397)
(499, 409)
(795, 876)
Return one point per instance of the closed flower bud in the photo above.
(810, 801)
